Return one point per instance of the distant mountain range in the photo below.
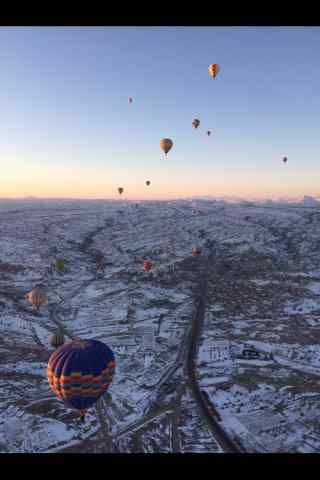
(306, 200)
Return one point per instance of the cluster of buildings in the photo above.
(224, 350)
(143, 337)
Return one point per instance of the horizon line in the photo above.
(135, 199)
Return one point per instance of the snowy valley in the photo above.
(214, 353)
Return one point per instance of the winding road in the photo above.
(226, 444)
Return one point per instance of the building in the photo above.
(249, 352)
(145, 336)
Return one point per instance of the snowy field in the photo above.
(258, 359)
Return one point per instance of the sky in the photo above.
(67, 129)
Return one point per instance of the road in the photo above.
(227, 445)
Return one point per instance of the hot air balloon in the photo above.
(130, 99)
(147, 265)
(195, 123)
(208, 133)
(80, 372)
(148, 182)
(37, 297)
(284, 159)
(196, 251)
(99, 259)
(120, 190)
(166, 144)
(60, 264)
(214, 70)
(57, 339)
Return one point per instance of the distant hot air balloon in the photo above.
(195, 123)
(147, 265)
(284, 159)
(60, 264)
(80, 372)
(148, 182)
(196, 251)
(120, 190)
(214, 70)
(208, 132)
(130, 99)
(57, 339)
(99, 259)
(37, 297)
(166, 144)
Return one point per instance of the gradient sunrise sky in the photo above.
(67, 129)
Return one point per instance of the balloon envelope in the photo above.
(166, 145)
(214, 69)
(147, 265)
(37, 297)
(80, 372)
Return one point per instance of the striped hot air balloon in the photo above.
(80, 372)
(214, 69)
(37, 297)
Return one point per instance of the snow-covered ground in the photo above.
(263, 297)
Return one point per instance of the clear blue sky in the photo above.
(67, 128)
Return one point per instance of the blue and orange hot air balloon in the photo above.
(80, 372)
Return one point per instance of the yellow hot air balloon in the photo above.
(37, 297)
(214, 70)
(166, 144)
